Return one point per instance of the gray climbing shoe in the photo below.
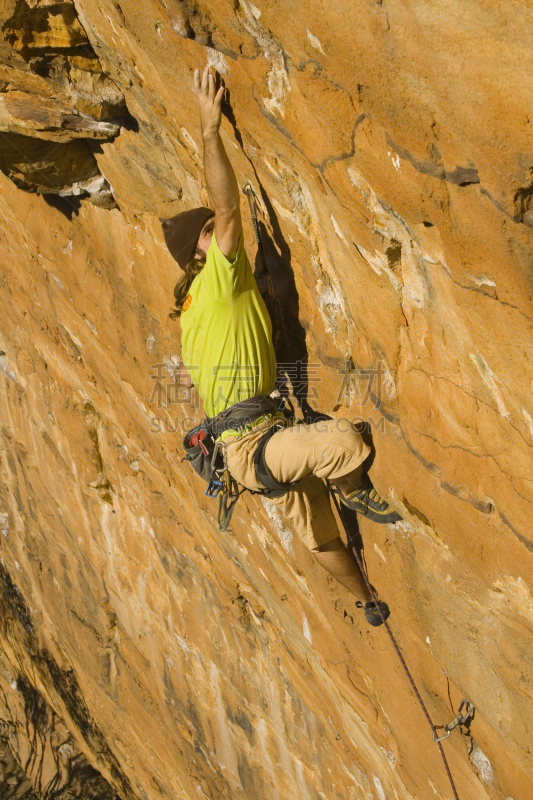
(373, 617)
(366, 501)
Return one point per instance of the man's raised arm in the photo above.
(219, 175)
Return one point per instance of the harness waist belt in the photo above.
(243, 414)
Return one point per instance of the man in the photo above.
(227, 349)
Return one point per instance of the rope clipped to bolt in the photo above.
(391, 637)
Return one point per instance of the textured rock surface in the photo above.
(52, 87)
(142, 652)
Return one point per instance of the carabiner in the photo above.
(460, 719)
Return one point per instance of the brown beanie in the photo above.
(182, 231)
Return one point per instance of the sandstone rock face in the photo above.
(142, 653)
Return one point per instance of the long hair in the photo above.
(181, 289)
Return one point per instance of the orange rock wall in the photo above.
(142, 652)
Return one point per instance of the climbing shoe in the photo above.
(373, 617)
(368, 503)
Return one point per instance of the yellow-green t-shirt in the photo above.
(226, 333)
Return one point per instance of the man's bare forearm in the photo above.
(220, 177)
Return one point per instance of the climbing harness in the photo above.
(460, 719)
(205, 448)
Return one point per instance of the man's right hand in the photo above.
(209, 100)
(219, 175)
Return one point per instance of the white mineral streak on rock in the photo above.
(518, 592)
(304, 792)
(359, 781)
(388, 380)
(395, 160)
(404, 526)
(172, 363)
(285, 534)
(302, 210)
(4, 523)
(217, 60)
(73, 336)
(490, 378)
(188, 138)
(304, 215)
(379, 263)
(270, 167)
(91, 326)
(7, 369)
(482, 764)
(183, 644)
(225, 752)
(105, 513)
(260, 533)
(338, 230)
(306, 629)
(304, 586)
(150, 339)
(114, 29)
(380, 553)
(264, 738)
(58, 281)
(481, 280)
(330, 302)
(288, 215)
(277, 77)
(528, 419)
(408, 279)
(379, 788)
(314, 41)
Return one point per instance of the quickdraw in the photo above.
(227, 500)
(223, 486)
(460, 719)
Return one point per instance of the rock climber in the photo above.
(227, 351)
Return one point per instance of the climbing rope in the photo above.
(247, 190)
(391, 637)
(264, 274)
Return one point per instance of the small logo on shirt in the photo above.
(187, 303)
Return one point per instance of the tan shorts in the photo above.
(308, 454)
